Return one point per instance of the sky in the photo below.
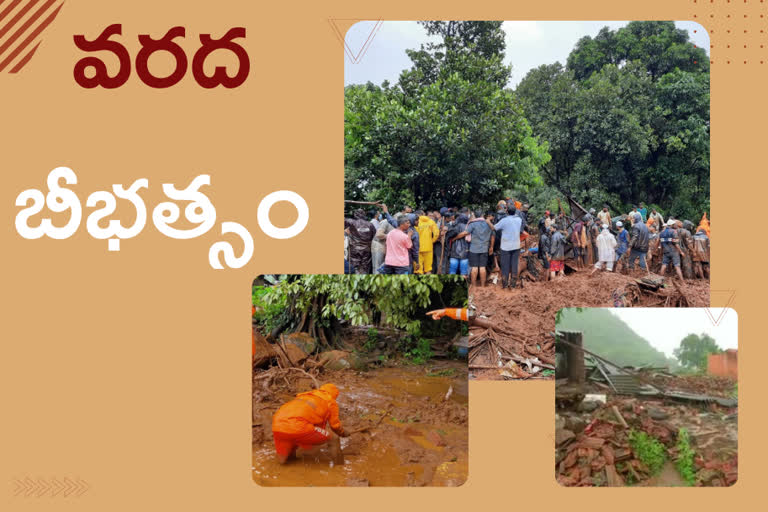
(529, 45)
(665, 327)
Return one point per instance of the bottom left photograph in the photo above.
(360, 380)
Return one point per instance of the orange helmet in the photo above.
(331, 389)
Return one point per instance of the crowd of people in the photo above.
(478, 243)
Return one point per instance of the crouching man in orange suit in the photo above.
(300, 427)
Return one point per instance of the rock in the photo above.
(263, 351)
(335, 360)
(295, 353)
(303, 340)
(436, 438)
(657, 414)
(588, 406)
(559, 422)
(575, 424)
(562, 435)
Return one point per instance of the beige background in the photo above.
(130, 370)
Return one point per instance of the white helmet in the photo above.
(619, 224)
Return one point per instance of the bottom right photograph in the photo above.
(646, 397)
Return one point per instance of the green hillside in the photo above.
(608, 336)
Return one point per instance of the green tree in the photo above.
(626, 120)
(448, 132)
(319, 304)
(694, 350)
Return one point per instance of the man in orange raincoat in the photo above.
(303, 422)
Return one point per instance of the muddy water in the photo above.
(422, 441)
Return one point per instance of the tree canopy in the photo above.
(319, 304)
(694, 350)
(448, 132)
(626, 120)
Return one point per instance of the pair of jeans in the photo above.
(635, 254)
(459, 266)
(390, 269)
(509, 264)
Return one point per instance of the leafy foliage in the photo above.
(417, 349)
(448, 133)
(694, 350)
(626, 120)
(685, 456)
(400, 299)
(649, 450)
(267, 313)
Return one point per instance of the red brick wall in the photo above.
(724, 365)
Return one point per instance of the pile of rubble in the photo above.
(593, 446)
(522, 318)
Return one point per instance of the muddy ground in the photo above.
(422, 441)
(523, 317)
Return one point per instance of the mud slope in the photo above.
(525, 316)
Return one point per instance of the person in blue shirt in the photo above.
(480, 246)
(509, 228)
(670, 247)
(643, 211)
(622, 244)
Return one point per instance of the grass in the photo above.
(685, 457)
(649, 450)
(447, 372)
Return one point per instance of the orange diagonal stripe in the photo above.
(8, 9)
(47, 21)
(24, 60)
(16, 18)
(12, 38)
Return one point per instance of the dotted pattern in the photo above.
(736, 29)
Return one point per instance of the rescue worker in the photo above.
(508, 230)
(701, 254)
(670, 246)
(704, 224)
(655, 219)
(361, 233)
(604, 215)
(543, 250)
(429, 233)
(622, 244)
(686, 244)
(459, 253)
(638, 244)
(606, 250)
(302, 423)
(556, 253)
(379, 243)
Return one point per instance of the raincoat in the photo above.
(704, 224)
(361, 233)
(379, 245)
(303, 421)
(429, 233)
(606, 246)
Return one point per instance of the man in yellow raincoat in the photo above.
(428, 235)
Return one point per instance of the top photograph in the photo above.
(553, 164)
(523, 152)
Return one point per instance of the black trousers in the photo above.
(509, 264)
